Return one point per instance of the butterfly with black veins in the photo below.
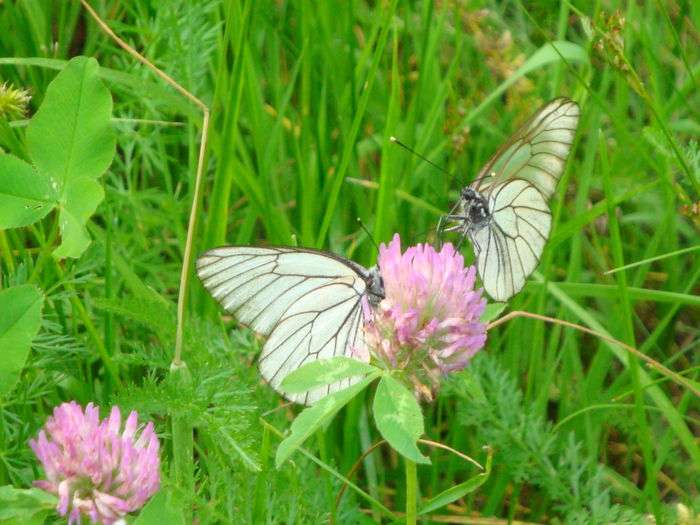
(308, 303)
(505, 212)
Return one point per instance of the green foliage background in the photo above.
(304, 96)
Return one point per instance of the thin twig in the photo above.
(381, 442)
(352, 471)
(187, 257)
(332, 471)
(651, 362)
(138, 56)
(475, 520)
(436, 444)
(277, 409)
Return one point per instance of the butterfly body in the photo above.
(474, 210)
(375, 285)
(505, 212)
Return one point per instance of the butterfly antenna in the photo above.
(422, 157)
(362, 225)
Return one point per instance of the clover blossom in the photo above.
(429, 321)
(97, 468)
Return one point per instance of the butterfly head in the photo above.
(375, 286)
(474, 207)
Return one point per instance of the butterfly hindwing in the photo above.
(508, 249)
(322, 325)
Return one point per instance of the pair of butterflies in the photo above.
(309, 302)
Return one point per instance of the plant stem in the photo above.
(411, 492)
(182, 466)
(187, 256)
(6, 253)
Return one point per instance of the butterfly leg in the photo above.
(439, 229)
(460, 225)
(451, 217)
(460, 242)
(458, 220)
(465, 227)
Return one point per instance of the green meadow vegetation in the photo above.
(98, 164)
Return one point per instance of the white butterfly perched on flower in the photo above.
(308, 303)
(505, 212)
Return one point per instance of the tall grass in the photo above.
(304, 97)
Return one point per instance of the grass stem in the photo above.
(411, 491)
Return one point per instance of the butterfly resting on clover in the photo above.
(308, 302)
(505, 213)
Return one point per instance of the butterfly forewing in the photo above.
(308, 302)
(537, 152)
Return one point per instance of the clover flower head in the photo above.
(98, 469)
(429, 321)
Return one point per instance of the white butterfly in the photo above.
(308, 302)
(504, 212)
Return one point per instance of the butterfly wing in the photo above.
(308, 302)
(508, 248)
(537, 152)
(325, 324)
